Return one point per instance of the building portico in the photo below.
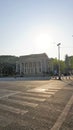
(35, 64)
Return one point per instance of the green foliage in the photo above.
(8, 59)
(7, 65)
(69, 63)
(54, 66)
(62, 66)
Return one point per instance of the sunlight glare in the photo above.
(42, 40)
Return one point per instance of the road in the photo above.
(36, 105)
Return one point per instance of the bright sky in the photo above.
(36, 26)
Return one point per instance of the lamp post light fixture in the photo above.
(59, 72)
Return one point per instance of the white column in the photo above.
(33, 68)
(20, 68)
(45, 65)
(26, 68)
(41, 66)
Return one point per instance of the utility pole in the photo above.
(59, 73)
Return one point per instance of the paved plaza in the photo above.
(36, 104)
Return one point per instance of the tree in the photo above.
(69, 63)
(8, 65)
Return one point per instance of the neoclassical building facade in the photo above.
(30, 65)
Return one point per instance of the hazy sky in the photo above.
(36, 26)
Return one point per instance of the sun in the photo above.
(42, 40)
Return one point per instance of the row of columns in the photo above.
(37, 67)
(30, 68)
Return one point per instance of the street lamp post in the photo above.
(59, 73)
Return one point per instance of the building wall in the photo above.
(36, 65)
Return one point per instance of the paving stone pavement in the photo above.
(36, 105)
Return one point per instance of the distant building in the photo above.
(32, 65)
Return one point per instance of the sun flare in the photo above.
(42, 39)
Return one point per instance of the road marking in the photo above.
(6, 90)
(29, 98)
(23, 103)
(12, 109)
(10, 94)
(53, 89)
(49, 92)
(35, 94)
(37, 90)
(52, 86)
(40, 91)
(63, 115)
